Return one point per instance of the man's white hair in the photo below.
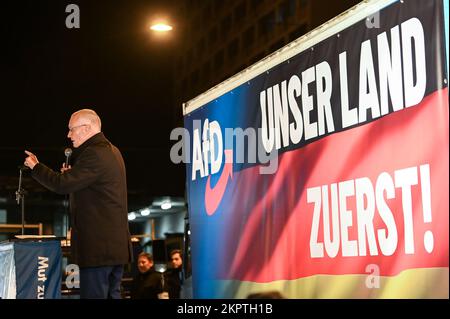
(90, 116)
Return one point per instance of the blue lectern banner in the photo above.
(36, 268)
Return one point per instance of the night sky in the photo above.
(111, 64)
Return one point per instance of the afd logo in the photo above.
(207, 159)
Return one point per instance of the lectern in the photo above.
(30, 269)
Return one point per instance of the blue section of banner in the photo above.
(38, 269)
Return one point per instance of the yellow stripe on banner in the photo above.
(412, 283)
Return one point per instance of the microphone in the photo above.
(67, 153)
(23, 167)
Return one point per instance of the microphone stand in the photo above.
(67, 214)
(67, 153)
(20, 198)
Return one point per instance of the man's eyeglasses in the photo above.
(71, 129)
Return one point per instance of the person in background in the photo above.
(96, 182)
(174, 274)
(148, 283)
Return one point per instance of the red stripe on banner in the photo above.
(270, 221)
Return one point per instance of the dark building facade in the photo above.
(221, 38)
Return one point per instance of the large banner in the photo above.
(327, 176)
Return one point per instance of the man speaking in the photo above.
(98, 204)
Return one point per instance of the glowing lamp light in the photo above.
(131, 216)
(145, 212)
(166, 205)
(161, 27)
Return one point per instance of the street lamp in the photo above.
(161, 27)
